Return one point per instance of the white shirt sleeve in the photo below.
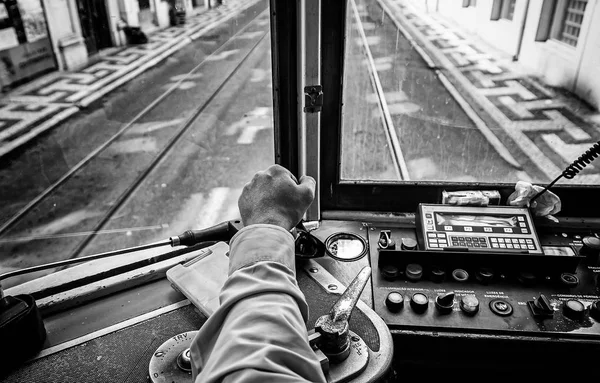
(258, 334)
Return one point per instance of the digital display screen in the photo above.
(446, 219)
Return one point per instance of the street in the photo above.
(175, 164)
(172, 148)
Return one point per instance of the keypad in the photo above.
(512, 243)
(441, 240)
(437, 240)
(468, 241)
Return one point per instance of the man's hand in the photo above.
(274, 196)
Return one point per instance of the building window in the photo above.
(508, 9)
(571, 22)
(503, 9)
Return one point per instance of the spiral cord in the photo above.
(574, 168)
(584, 160)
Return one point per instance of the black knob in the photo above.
(591, 246)
(413, 272)
(389, 272)
(437, 274)
(484, 275)
(527, 278)
(469, 304)
(408, 244)
(541, 307)
(544, 304)
(445, 302)
(574, 309)
(394, 301)
(501, 307)
(419, 302)
(595, 310)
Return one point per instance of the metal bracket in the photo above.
(313, 98)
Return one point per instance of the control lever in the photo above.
(20, 321)
(334, 328)
(306, 245)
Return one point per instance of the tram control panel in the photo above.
(485, 270)
(489, 229)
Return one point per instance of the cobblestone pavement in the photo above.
(549, 127)
(41, 104)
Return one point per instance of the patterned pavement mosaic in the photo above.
(538, 121)
(35, 107)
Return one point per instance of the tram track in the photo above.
(429, 129)
(232, 69)
(8, 224)
(399, 163)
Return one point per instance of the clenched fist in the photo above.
(274, 196)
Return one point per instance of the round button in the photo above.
(591, 246)
(445, 302)
(437, 274)
(527, 278)
(419, 302)
(460, 275)
(501, 307)
(574, 309)
(389, 272)
(184, 360)
(469, 304)
(595, 310)
(484, 275)
(569, 279)
(413, 272)
(394, 301)
(408, 244)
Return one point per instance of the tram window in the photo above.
(140, 142)
(434, 91)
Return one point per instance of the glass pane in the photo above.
(142, 141)
(432, 92)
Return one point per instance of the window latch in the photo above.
(313, 98)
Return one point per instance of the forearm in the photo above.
(258, 333)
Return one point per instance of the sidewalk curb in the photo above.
(523, 145)
(470, 112)
(114, 80)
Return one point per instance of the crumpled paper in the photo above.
(545, 205)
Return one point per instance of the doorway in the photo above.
(94, 25)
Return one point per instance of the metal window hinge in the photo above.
(313, 98)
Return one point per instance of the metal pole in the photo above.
(65, 262)
(522, 32)
(310, 132)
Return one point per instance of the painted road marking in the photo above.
(148, 127)
(259, 75)
(134, 145)
(222, 56)
(209, 215)
(254, 121)
(250, 35)
(383, 63)
(182, 81)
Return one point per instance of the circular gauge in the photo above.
(346, 247)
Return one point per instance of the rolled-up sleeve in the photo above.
(258, 334)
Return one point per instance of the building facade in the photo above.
(558, 40)
(37, 36)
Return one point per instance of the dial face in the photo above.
(345, 246)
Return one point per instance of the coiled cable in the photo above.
(584, 160)
(574, 168)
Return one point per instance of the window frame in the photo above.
(505, 9)
(558, 22)
(402, 196)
